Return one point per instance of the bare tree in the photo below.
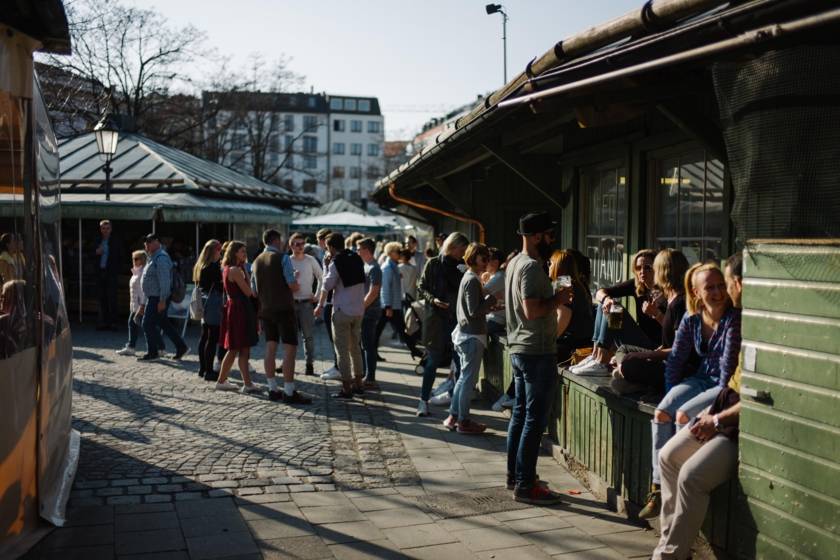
(246, 126)
(124, 59)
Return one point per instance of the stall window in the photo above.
(604, 198)
(688, 205)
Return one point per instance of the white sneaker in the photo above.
(126, 351)
(441, 400)
(251, 389)
(331, 373)
(446, 386)
(226, 386)
(423, 409)
(503, 402)
(593, 368)
(581, 364)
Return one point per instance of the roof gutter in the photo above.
(392, 191)
(764, 34)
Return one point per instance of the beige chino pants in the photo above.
(347, 337)
(690, 471)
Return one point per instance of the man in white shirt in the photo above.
(308, 274)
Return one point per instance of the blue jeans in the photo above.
(153, 323)
(369, 343)
(630, 332)
(133, 330)
(535, 377)
(690, 396)
(470, 353)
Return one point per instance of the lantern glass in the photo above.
(106, 140)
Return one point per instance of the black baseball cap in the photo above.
(536, 222)
(151, 237)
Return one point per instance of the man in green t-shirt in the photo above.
(532, 332)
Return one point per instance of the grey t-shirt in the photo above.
(526, 279)
(373, 276)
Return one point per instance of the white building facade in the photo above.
(330, 147)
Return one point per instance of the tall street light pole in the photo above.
(499, 9)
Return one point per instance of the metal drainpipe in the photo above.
(392, 191)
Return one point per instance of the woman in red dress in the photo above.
(238, 331)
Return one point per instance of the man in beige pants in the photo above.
(346, 278)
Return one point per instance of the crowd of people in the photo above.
(682, 342)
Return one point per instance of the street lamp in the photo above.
(499, 9)
(107, 137)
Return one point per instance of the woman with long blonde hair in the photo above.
(644, 332)
(713, 334)
(638, 371)
(238, 332)
(207, 274)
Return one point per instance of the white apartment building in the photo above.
(357, 142)
(330, 147)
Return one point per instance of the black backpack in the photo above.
(178, 288)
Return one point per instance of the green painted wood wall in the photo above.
(790, 440)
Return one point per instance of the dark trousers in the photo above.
(133, 330)
(153, 323)
(535, 377)
(328, 309)
(207, 347)
(436, 358)
(106, 292)
(369, 344)
(397, 321)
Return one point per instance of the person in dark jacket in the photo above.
(108, 256)
(438, 287)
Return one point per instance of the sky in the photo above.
(420, 58)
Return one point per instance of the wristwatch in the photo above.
(716, 421)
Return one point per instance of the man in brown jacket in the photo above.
(274, 282)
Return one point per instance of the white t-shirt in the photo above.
(309, 271)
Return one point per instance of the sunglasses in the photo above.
(645, 267)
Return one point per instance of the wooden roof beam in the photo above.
(520, 166)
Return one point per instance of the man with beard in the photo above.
(532, 331)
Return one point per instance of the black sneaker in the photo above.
(181, 353)
(511, 483)
(297, 398)
(537, 495)
(276, 395)
(310, 369)
(211, 376)
(148, 358)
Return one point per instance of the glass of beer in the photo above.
(615, 318)
(562, 283)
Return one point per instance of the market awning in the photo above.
(348, 221)
(169, 207)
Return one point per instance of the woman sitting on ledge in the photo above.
(615, 327)
(637, 371)
(711, 328)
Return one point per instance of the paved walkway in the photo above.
(172, 469)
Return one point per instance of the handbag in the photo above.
(197, 303)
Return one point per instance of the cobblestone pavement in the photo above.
(170, 468)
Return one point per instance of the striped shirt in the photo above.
(718, 355)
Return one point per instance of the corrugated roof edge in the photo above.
(654, 13)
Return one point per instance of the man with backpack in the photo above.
(157, 282)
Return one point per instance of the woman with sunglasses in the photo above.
(645, 334)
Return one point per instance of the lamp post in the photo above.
(499, 9)
(107, 137)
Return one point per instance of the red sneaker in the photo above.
(537, 495)
(470, 427)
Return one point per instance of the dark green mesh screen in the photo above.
(780, 114)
